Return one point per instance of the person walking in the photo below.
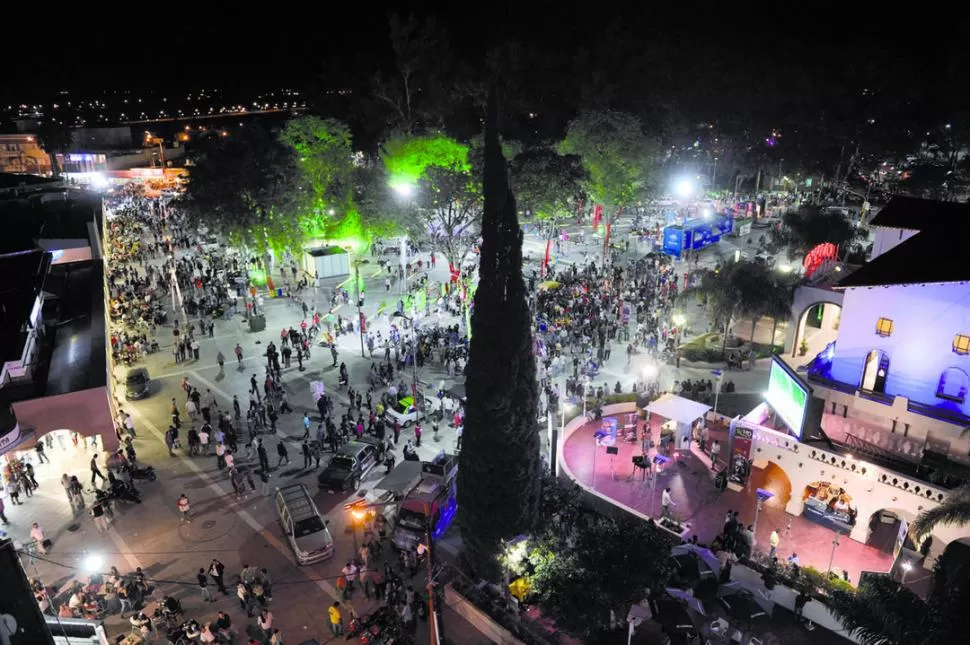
(336, 622)
(184, 507)
(239, 356)
(666, 502)
(217, 572)
(773, 540)
(41, 457)
(283, 454)
(306, 425)
(3, 517)
(95, 471)
(38, 536)
(715, 451)
(100, 518)
(204, 586)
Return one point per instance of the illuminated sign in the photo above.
(825, 252)
(787, 396)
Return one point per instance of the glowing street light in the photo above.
(650, 371)
(93, 563)
(684, 188)
(403, 189)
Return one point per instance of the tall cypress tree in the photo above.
(499, 469)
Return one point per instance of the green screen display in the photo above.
(787, 397)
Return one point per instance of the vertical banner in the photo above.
(739, 452)
(545, 261)
(597, 216)
(363, 323)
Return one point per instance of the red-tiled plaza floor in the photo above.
(704, 507)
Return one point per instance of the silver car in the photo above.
(302, 524)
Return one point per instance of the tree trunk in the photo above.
(774, 329)
(754, 323)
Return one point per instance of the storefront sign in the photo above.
(9, 439)
(739, 453)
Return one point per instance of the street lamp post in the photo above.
(360, 314)
(414, 357)
(718, 375)
(835, 545)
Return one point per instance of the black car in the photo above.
(351, 464)
(137, 384)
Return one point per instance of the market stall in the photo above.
(829, 505)
(681, 414)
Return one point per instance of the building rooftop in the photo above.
(916, 214)
(931, 256)
(935, 254)
(22, 277)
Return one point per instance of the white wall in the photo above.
(888, 238)
(925, 320)
(875, 490)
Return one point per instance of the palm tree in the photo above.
(779, 302)
(883, 612)
(54, 137)
(954, 510)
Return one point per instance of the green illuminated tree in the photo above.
(441, 200)
(618, 158)
(324, 157)
(246, 186)
(499, 474)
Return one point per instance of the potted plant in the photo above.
(803, 347)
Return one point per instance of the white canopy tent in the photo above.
(681, 411)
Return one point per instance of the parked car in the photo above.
(351, 463)
(137, 384)
(304, 527)
(404, 412)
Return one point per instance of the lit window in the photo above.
(961, 344)
(884, 327)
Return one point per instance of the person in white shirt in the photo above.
(37, 534)
(666, 502)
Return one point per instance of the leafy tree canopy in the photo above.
(324, 157)
(407, 159)
(806, 228)
(616, 154)
(546, 183)
(246, 186)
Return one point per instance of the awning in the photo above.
(676, 408)
(402, 479)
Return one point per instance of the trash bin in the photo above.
(279, 293)
(257, 323)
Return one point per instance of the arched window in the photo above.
(953, 385)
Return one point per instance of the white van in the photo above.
(303, 525)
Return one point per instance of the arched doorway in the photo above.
(773, 478)
(875, 371)
(816, 327)
(884, 528)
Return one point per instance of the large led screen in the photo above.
(787, 397)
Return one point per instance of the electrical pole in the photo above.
(433, 636)
(360, 314)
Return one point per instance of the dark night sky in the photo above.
(276, 45)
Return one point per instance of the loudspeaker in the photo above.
(612, 450)
(639, 461)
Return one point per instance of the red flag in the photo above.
(597, 216)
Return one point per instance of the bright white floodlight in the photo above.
(403, 190)
(684, 188)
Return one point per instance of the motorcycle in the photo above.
(146, 472)
(124, 492)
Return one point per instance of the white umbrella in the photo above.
(688, 597)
